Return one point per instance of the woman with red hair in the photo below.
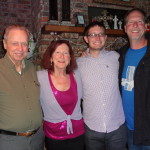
(60, 95)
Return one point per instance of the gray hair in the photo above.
(15, 26)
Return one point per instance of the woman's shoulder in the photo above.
(42, 73)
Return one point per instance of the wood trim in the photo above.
(115, 32)
(60, 28)
(129, 3)
(73, 29)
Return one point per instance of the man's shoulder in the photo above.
(112, 54)
(2, 59)
(29, 65)
(82, 59)
(123, 49)
(2, 62)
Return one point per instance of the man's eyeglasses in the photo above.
(139, 22)
(94, 35)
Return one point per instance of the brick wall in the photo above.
(76, 40)
(11, 11)
(35, 17)
(34, 14)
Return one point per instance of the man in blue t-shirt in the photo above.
(135, 80)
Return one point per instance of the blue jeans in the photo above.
(115, 140)
(131, 146)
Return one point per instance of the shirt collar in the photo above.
(101, 54)
(11, 64)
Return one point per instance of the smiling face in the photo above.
(16, 45)
(135, 26)
(96, 43)
(61, 57)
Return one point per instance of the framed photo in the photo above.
(80, 19)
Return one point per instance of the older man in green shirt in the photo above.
(20, 111)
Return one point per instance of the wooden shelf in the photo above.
(115, 32)
(73, 29)
(60, 28)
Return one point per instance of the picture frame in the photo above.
(80, 20)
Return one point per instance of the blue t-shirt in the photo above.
(132, 58)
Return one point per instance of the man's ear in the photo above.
(125, 29)
(85, 39)
(145, 27)
(5, 45)
(106, 37)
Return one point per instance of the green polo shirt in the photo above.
(20, 108)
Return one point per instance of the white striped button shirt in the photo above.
(102, 104)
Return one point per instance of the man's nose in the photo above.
(20, 47)
(135, 23)
(97, 36)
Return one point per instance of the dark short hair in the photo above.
(135, 9)
(92, 24)
(46, 64)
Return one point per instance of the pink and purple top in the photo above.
(67, 101)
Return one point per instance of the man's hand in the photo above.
(84, 54)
